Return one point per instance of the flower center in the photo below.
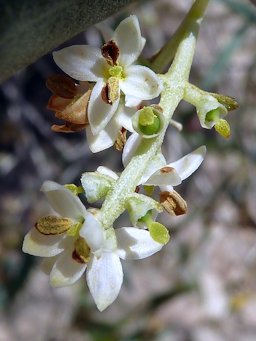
(116, 71)
(149, 122)
(213, 115)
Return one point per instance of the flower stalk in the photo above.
(174, 82)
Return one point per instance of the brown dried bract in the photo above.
(68, 128)
(121, 139)
(173, 203)
(62, 85)
(110, 52)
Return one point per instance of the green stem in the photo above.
(174, 84)
(190, 23)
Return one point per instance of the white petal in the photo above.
(38, 244)
(134, 243)
(107, 171)
(129, 40)
(163, 178)
(66, 270)
(104, 278)
(104, 139)
(131, 101)
(141, 82)
(92, 232)
(99, 112)
(47, 264)
(63, 201)
(124, 117)
(105, 30)
(81, 62)
(189, 163)
(130, 148)
(157, 162)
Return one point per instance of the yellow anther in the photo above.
(223, 128)
(159, 233)
(81, 252)
(53, 225)
(113, 89)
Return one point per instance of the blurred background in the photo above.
(202, 285)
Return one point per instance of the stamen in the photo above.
(173, 203)
(53, 225)
(159, 233)
(110, 52)
(81, 253)
(223, 128)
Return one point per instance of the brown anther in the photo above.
(167, 169)
(81, 253)
(110, 52)
(62, 85)
(53, 225)
(173, 203)
(121, 139)
(105, 94)
(137, 189)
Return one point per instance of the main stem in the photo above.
(174, 83)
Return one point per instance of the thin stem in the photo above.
(174, 83)
(166, 54)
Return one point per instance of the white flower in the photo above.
(84, 245)
(113, 70)
(159, 172)
(104, 272)
(41, 241)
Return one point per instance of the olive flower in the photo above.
(75, 241)
(112, 69)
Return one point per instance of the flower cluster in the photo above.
(104, 93)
